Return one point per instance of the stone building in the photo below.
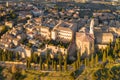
(85, 40)
(64, 31)
(104, 38)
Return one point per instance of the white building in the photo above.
(64, 31)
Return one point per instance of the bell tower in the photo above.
(7, 4)
(91, 26)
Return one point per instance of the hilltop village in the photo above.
(60, 40)
(34, 29)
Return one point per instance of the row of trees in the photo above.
(6, 55)
(48, 63)
(90, 61)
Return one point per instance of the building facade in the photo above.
(85, 40)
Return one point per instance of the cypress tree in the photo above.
(8, 56)
(52, 64)
(85, 62)
(47, 59)
(43, 66)
(102, 50)
(11, 56)
(96, 59)
(3, 57)
(48, 55)
(78, 58)
(114, 53)
(17, 56)
(55, 66)
(40, 62)
(32, 57)
(104, 57)
(28, 63)
(108, 49)
(65, 63)
(75, 66)
(92, 60)
(35, 58)
(116, 46)
(48, 66)
(60, 61)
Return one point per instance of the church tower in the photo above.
(7, 4)
(92, 26)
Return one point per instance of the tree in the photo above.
(3, 57)
(96, 59)
(52, 64)
(48, 65)
(104, 57)
(40, 62)
(47, 59)
(85, 62)
(36, 58)
(75, 65)
(17, 56)
(43, 66)
(110, 59)
(65, 63)
(60, 61)
(78, 58)
(8, 56)
(28, 63)
(55, 66)
(108, 50)
(92, 60)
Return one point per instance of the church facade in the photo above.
(85, 40)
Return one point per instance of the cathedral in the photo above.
(85, 40)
